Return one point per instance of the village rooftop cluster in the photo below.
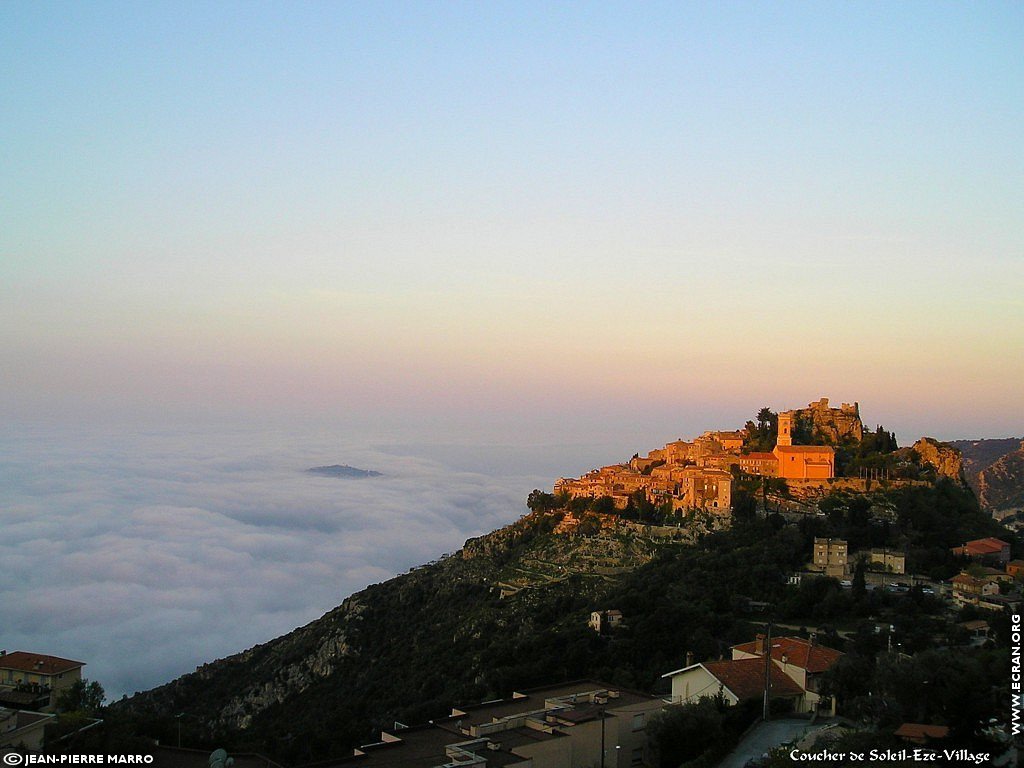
(697, 474)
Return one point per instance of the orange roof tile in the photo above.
(920, 731)
(963, 578)
(745, 678)
(805, 449)
(798, 652)
(38, 662)
(986, 546)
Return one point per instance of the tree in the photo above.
(684, 732)
(803, 431)
(81, 696)
(538, 501)
(860, 588)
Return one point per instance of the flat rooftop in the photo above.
(424, 746)
(534, 699)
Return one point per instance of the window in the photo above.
(638, 722)
(637, 758)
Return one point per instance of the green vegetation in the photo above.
(923, 521)
(82, 696)
(700, 733)
(762, 435)
(959, 689)
(877, 451)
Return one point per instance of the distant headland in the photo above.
(343, 470)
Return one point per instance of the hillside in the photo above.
(995, 470)
(364, 662)
(411, 647)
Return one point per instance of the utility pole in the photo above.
(767, 670)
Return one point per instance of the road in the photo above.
(766, 736)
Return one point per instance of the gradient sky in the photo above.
(574, 219)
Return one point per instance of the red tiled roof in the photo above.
(798, 652)
(967, 580)
(805, 449)
(745, 678)
(38, 663)
(987, 546)
(920, 731)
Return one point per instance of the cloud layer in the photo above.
(145, 555)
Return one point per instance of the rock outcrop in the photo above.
(273, 672)
(833, 426)
(945, 458)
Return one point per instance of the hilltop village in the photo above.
(699, 474)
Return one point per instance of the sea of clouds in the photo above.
(146, 553)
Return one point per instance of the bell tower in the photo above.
(785, 429)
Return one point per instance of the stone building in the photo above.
(830, 557)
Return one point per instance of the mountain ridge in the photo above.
(994, 468)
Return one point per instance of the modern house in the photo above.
(736, 680)
(604, 621)
(38, 673)
(23, 730)
(804, 661)
(968, 590)
(830, 557)
(796, 669)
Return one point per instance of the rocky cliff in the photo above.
(833, 426)
(944, 457)
(1001, 484)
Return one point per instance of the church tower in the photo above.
(785, 429)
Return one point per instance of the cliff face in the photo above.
(944, 457)
(1001, 484)
(833, 426)
(995, 470)
(979, 454)
(272, 672)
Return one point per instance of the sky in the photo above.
(557, 217)
(483, 244)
